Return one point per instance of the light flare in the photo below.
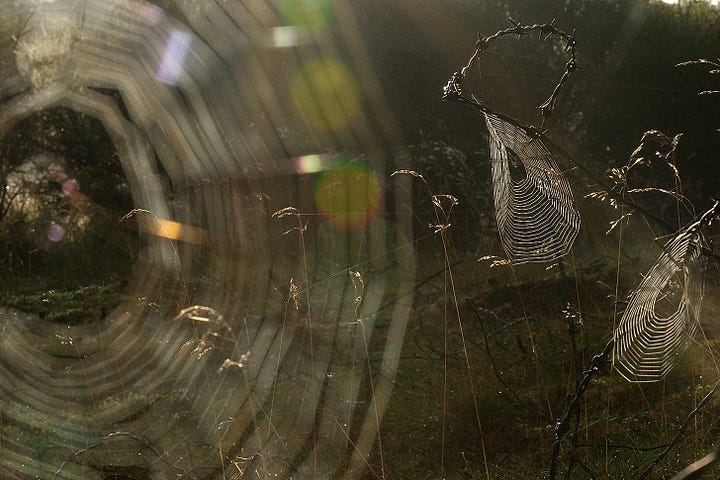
(173, 58)
(70, 187)
(327, 94)
(349, 195)
(172, 230)
(286, 37)
(55, 233)
(313, 163)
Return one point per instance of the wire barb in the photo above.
(534, 206)
(452, 91)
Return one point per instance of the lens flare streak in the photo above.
(172, 230)
(176, 49)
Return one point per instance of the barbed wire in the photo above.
(453, 88)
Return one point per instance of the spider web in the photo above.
(536, 218)
(647, 342)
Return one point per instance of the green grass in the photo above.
(70, 307)
(620, 422)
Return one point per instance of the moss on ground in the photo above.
(70, 307)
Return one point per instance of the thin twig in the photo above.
(677, 438)
(437, 274)
(573, 322)
(705, 219)
(699, 467)
(622, 447)
(496, 371)
(562, 426)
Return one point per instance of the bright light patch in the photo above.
(173, 58)
(70, 187)
(55, 232)
(326, 94)
(284, 37)
(313, 163)
(168, 229)
(348, 195)
(172, 230)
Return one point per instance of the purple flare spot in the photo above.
(55, 232)
(69, 187)
(173, 57)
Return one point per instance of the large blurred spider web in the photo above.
(242, 348)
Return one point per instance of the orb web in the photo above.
(240, 347)
(536, 218)
(663, 313)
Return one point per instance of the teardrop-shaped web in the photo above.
(648, 341)
(536, 218)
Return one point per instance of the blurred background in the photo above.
(247, 239)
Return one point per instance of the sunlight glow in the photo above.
(55, 233)
(172, 230)
(284, 37)
(173, 58)
(326, 94)
(349, 195)
(313, 163)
